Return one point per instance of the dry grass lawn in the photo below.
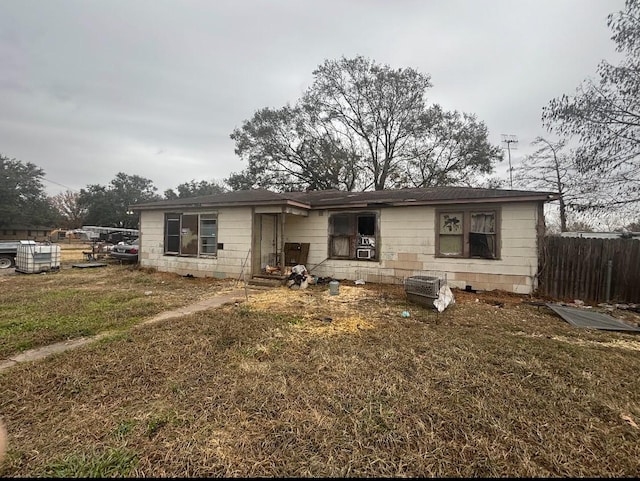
(44, 308)
(301, 383)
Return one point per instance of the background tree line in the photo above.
(24, 201)
(363, 126)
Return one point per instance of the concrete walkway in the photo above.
(218, 300)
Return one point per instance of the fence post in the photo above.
(609, 269)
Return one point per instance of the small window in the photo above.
(191, 234)
(451, 234)
(208, 234)
(342, 233)
(468, 234)
(482, 235)
(353, 236)
(172, 234)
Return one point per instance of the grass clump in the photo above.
(106, 464)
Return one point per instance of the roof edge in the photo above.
(485, 200)
(191, 205)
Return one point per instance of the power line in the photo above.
(61, 185)
(509, 139)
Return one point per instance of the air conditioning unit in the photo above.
(364, 253)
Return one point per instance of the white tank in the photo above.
(33, 257)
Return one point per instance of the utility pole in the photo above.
(508, 140)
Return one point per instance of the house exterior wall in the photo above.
(234, 232)
(38, 234)
(407, 248)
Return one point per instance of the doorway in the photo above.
(267, 245)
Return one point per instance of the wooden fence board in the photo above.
(576, 268)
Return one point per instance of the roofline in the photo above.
(25, 227)
(245, 203)
(404, 203)
(534, 197)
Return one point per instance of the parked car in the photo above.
(125, 252)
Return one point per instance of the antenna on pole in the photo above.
(508, 140)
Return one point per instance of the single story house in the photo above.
(483, 238)
(38, 233)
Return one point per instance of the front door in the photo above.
(267, 245)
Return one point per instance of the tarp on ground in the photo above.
(591, 320)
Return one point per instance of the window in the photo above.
(482, 235)
(191, 234)
(467, 233)
(172, 234)
(208, 232)
(451, 234)
(353, 236)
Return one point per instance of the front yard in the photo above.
(41, 309)
(301, 383)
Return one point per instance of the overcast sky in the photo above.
(154, 88)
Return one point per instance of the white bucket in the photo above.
(334, 287)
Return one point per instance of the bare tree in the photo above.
(604, 117)
(361, 126)
(71, 213)
(292, 149)
(550, 168)
(455, 151)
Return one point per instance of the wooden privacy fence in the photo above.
(593, 270)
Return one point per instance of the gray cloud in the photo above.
(154, 88)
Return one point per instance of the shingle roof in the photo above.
(337, 198)
(415, 195)
(24, 227)
(237, 197)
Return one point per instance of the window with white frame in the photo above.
(191, 234)
(468, 233)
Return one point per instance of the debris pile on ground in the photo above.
(588, 319)
(445, 297)
(299, 278)
(272, 269)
